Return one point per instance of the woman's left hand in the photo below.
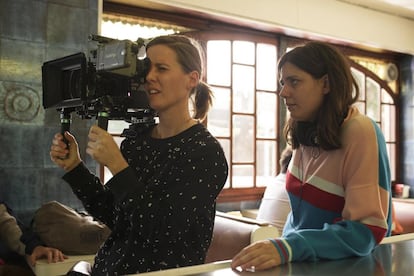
(52, 255)
(260, 255)
(103, 148)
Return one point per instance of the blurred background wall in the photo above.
(32, 32)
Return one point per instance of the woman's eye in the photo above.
(161, 68)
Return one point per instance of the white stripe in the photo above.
(289, 249)
(320, 183)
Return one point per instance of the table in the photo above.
(394, 258)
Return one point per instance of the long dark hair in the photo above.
(190, 56)
(319, 59)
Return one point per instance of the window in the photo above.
(378, 101)
(244, 116)
(132, 28)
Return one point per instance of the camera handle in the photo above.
(65, 121)
(103, 120)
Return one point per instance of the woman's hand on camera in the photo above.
(103, 148)
(65, 155)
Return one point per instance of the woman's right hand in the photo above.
(65, 155)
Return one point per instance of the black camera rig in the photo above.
(106, 85)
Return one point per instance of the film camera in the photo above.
(105, 85)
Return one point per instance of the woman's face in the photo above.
(168, 86)
(302, 94)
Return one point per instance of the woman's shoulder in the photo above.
(359, 127)
(358, 122)
(199, 134)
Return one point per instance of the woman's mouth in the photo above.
(153, 91)
(290, 106)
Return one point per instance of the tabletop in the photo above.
(393, 258)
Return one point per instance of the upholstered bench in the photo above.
(404, 213)
(231, 234)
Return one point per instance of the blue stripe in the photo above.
(384, 176)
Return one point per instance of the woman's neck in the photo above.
(172, 126)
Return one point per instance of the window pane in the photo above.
(266, 162)
(243, 139)
(219, 115)
(117, 126)
(361, 107)
(225, 143)
(386, 97)
(117, 27)
(243, 89)
(243, 52)
(266, 67)
(107, 172)
(392, 157)
(360, 79)
(218, 62)
(266, 115)
(388, 120)
(243, 176)
(373, 99)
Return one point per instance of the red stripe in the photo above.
(283, 249)
(313, 195)
(378, 232)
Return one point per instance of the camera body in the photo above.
(106, 85)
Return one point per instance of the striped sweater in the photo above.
(340, 199)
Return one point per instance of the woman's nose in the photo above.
(282, 92)
(150, 75)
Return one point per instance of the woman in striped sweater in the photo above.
(339, 178)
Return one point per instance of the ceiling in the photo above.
(402, 8)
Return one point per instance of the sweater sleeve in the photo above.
(10, 232)
(15, 235)
(95, 196)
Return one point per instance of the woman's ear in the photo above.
(194, 78)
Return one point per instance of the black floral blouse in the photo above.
(161, 208)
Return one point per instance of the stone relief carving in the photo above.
(18, 102)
